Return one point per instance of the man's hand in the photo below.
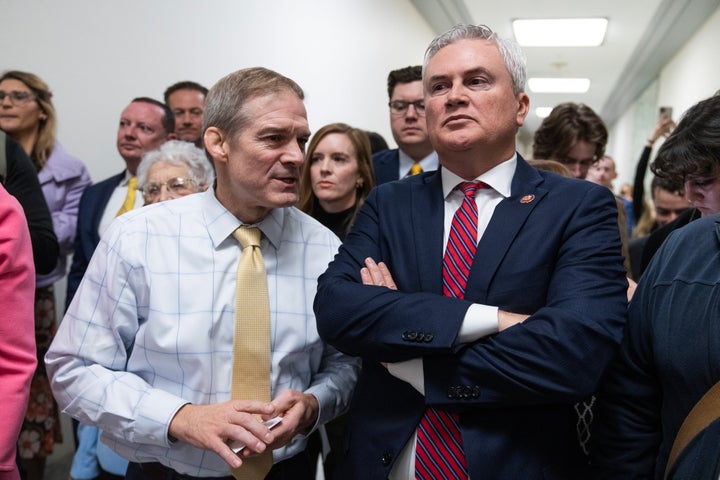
(299, 412)
(632, 285)
(377, 274)
(212, 427)
(508, 319)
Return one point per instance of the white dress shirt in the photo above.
(429, 163)
(151, 326)
(480, 320)
(116, 201)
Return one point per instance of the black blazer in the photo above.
(92, 206)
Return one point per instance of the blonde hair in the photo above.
(45, 141)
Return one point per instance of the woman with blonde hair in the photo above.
(28, 116)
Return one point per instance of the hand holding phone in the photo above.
(237, 447)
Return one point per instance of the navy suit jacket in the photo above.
(90, 212)
(552, 249)
(387, 165)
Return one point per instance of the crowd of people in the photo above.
(246, 297)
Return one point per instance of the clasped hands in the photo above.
(214, 427)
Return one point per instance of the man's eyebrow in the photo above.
(477, 71)
(273, 129)
(465, 73)
(436, 78)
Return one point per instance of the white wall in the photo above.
(98, 55)
(692, 75)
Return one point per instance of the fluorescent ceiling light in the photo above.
(559, 85)
(560, 32)
(543, 112)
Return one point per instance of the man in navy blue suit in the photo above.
(543, 307)
(407, 122)
(145, 125)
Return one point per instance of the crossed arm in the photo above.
(379, 275)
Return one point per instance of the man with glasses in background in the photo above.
(414, 154)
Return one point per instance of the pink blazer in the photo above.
(17, 328)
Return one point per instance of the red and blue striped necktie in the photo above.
(439, 449)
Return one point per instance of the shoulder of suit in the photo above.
(384, 155)
(108, 182)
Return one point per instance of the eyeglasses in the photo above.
(17, 97)
(400, 107)
(177, 187)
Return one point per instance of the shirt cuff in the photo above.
(410, 371)
(480, 321)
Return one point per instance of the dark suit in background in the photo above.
(92, 207)
(552, 249)
(387, 165)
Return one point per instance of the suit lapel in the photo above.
(427, 217)
(507, 220)
(102, 201)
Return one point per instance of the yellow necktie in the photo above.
(415, 169)
(251, 348)
(129, 202)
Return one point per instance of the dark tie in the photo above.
(439, 449)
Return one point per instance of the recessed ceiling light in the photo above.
(559, 85)
(543, 112)
(560, 32)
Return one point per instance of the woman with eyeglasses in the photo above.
(337, 176)
(28, 116)
(176, 169)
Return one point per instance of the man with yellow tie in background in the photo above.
(414, 154)
(145, 125)
(194, 323)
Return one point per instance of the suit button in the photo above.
(475, 391)
(428, 337)
(409, 336)
(386, 458)
(452, 393)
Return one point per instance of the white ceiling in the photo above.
(642, 36)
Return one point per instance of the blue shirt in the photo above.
(151, 326)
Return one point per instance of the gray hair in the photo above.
(178, 152)
(224, 104)
(510, 51)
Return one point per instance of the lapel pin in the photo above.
(527, 199)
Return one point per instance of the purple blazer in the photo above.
(63, 180)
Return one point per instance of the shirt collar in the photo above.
(499, 178)
(221, 223)
(126, 178)
(430, 162)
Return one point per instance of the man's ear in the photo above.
(216, 144)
